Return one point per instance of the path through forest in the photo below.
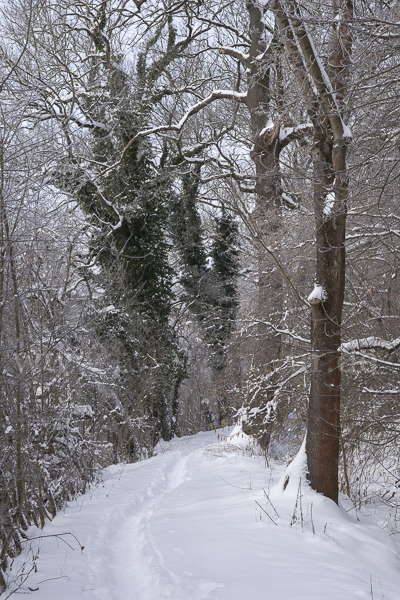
(206, 519)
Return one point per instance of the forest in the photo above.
(199, 226)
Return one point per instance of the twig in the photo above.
(344, 465)
(268, 498)
(52, 578)
(312, 522)
(301, 507)
(57, 535)
(266, 513)
(235, 486)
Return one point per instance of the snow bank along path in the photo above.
(204, 521)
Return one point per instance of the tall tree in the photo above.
(325, 95)
(128, 210)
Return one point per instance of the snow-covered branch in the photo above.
(287, 332)
(288, 14)
(290, 134)
(235, 53)
(318, 295)
(370, 343)
(194, 109)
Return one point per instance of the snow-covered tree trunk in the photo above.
(267, 218)
(325, 95)
(326, 301)
(330, 209)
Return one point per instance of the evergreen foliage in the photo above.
(209, 282)
(108, 259)
(128, 209)
(226, 268)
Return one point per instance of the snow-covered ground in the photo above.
(204, 519)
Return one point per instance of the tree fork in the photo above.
(326, 107)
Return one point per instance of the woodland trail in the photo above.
(208, 520)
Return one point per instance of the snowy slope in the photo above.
(185, 524)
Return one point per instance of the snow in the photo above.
(318, 294)
(65, 97)
(215, 95)
(207, 519)
(270, 125)
(284, 132)
(235, 52)
(371, 343)
(110, 308)
(346, 131)
(288, 200)
(329, 203)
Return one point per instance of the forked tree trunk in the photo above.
(325, 101)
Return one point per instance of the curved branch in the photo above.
(215, 95)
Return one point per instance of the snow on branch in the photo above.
(366, 390)
(235, 53)
(289, 134)
(281, 331)
(376, 360)
(215, 95)
(386, 36)
(318, 295)
(370, 343)
(313, 65)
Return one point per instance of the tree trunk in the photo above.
(325, 101)
(322, 445)
(265, 155)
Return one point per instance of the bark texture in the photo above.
(265, 155)
(326, 103)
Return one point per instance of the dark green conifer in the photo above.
(209, 282)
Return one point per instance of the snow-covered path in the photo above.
(189, 524)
